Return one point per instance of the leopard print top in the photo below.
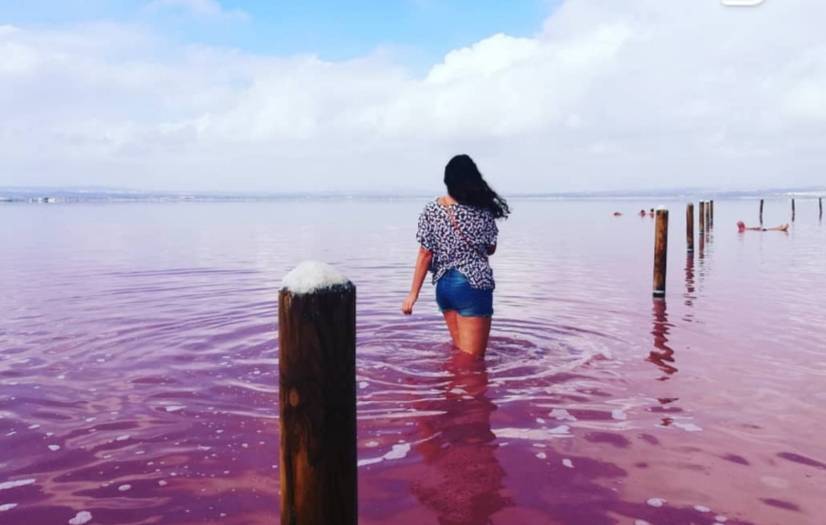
(460, 245)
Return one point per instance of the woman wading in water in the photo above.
(457, 233)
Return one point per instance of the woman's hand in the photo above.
(407, 305)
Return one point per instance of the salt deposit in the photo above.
(16, 483)
(310, 276)
(398, 451)
(81, 518)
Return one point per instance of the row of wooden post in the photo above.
(819, 206)
(706, 222)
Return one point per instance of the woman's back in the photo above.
(460, 237)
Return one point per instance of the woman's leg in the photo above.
(473, 333)
(453, 328)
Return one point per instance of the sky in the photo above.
(363, 96)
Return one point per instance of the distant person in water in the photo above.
(457, 233)
(741, 227)
(651, 212)
(642, 213)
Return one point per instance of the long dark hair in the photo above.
(465, 184)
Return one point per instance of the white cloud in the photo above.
(646, 94)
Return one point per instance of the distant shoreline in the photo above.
(64, 196)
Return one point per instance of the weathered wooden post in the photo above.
(317, 381)
(761, 211)
(820, 205)
(792, 210)
(701, 217)
(708, 216)
(689, 227)
(660, 251)
(711, 214)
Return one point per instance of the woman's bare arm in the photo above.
(419, 273)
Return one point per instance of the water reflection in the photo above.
(465, 482)
(663, 354)
(689, 283)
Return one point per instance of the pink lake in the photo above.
(138, 366)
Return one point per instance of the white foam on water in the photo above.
(701, 508)
(541, 455)
(641, 522)
(174, 408)
(7, 506)
(568, 463)
(16, 483)
(54, 448)
(656, 502)
(162, 483)
(720, 519)
(122, 438)
(618, 414)
(124, 487)
(311, 276)
(363, 384)
(81, 517)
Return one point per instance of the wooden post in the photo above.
(792, 210)
(689, 227)
(317, 381)
(660, 251)
(761, 211)
(701, 217)
(708, 216)
(820, 205)
(711, 214)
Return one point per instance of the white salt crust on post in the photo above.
(661, 207)
(311, 276)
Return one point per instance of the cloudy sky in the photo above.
(284, 96)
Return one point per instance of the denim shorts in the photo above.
(454, 292)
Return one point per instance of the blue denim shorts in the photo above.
(454, 292)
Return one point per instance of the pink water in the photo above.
(138, 360)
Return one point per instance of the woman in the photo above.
(741, 227)
(457, 233)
